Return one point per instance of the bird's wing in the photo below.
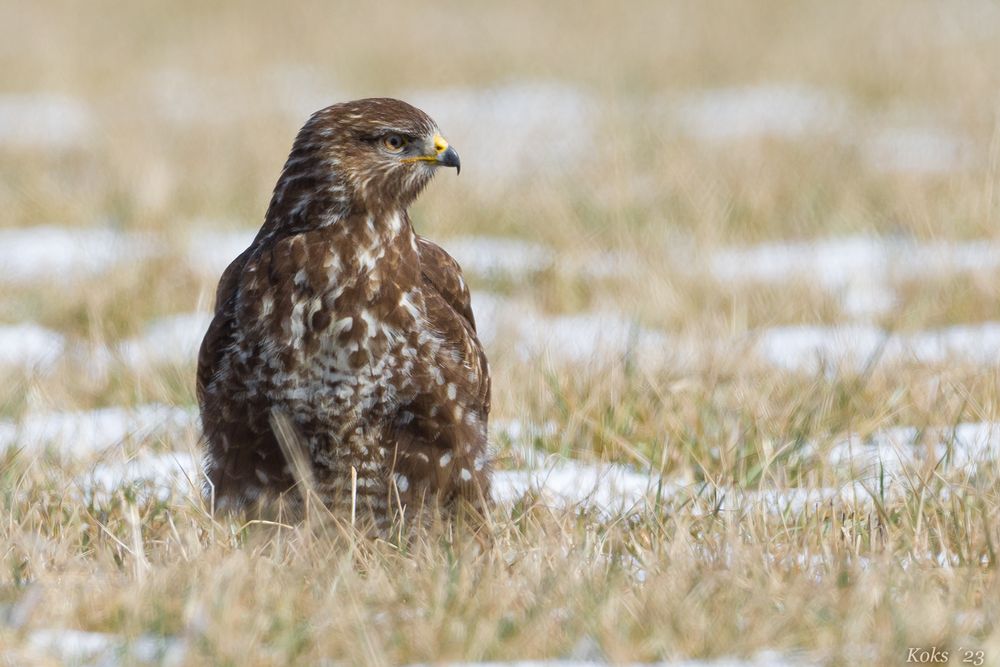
(220, 331)
(441, 272)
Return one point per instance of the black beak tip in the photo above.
(450, 159)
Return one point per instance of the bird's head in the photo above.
(382, 151)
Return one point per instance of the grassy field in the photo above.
(736, 265)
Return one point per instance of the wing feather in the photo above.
(440, 271)
(220, 331)
(443, 274)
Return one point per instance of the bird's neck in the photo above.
(312, 194)
(306, 200)
(357, 237)
(373, 248)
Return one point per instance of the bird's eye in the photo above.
(394, 142)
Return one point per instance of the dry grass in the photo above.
(193, 107)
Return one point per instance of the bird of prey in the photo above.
(343, 329)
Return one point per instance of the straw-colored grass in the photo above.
(192, 108)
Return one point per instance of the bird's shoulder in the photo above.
(442, 274)
(220, 329)
(268, 265)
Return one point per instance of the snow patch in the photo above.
(519, 430)
(598, 337)
(79, 434)
(48, 253)
(614, 490)
(833, 262)
(858, 269)
(78, 647)
(30, 346)
(586, 337)
(159, 475)
(173, 340)
(495, 257)
(520, 437)
(607, 488)
(209, 251)
(892, 451)
(811, 349)
(43, 120)
(917, 151)
(746, 112)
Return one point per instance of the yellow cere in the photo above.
(440, 144)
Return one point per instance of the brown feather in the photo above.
(353, 328)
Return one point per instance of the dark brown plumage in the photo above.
(343, 322)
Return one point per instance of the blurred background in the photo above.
(744, 253)
(675, 187)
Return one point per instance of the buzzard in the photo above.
(343, 330)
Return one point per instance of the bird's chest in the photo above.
(346, 346)
(360, 360)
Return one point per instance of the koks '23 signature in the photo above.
(934, 655)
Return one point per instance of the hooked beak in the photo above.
(449, 158)
(443, 156)
(446, 155)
